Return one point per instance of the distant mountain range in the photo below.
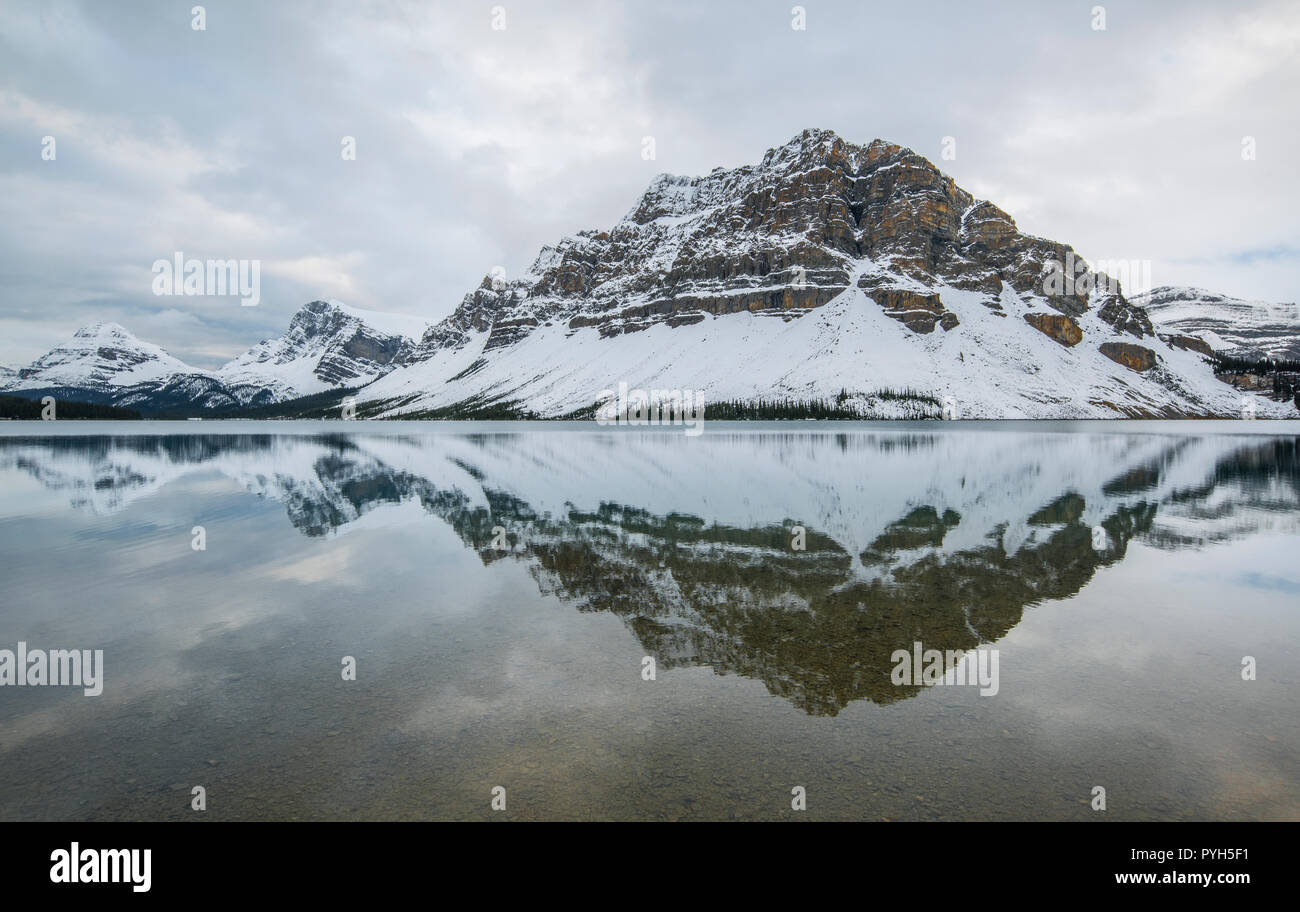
(1230, 326)
(327, 346)
(828, 271)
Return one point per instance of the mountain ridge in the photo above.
(713, 283)
(327, 346)
(1227, 325)
(828, 270)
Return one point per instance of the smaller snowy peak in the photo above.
(1228, 325)
(100, 356)
(1168, 294)
(1187, 300)
(327, 345)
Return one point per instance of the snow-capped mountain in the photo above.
(828, 271)
(828, 266)
(102, 355)
(1231, 326)
(327, 346)
(105, 363)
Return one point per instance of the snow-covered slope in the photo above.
(1232, 326)
(827, 267)
(327, 346)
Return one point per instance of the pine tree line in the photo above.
(842, 408)
(1284, 373)
(1262, 366)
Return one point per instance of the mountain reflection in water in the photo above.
(943, 538)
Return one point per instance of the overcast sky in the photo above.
(476, 145)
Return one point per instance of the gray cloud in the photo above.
(475, 147)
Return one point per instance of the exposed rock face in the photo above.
(329, 342)
(918, 312)
(1126, 317)
(1056, 326)
(1249, 382)
(989, 226)
(1134, 357)
(477, 313)
(1189, 343)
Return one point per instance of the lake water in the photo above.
(501, 587)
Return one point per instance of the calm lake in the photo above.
(505, 590)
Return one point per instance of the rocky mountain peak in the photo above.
(826, 267)
(316, 319)
(327, 345)
(814, 217)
